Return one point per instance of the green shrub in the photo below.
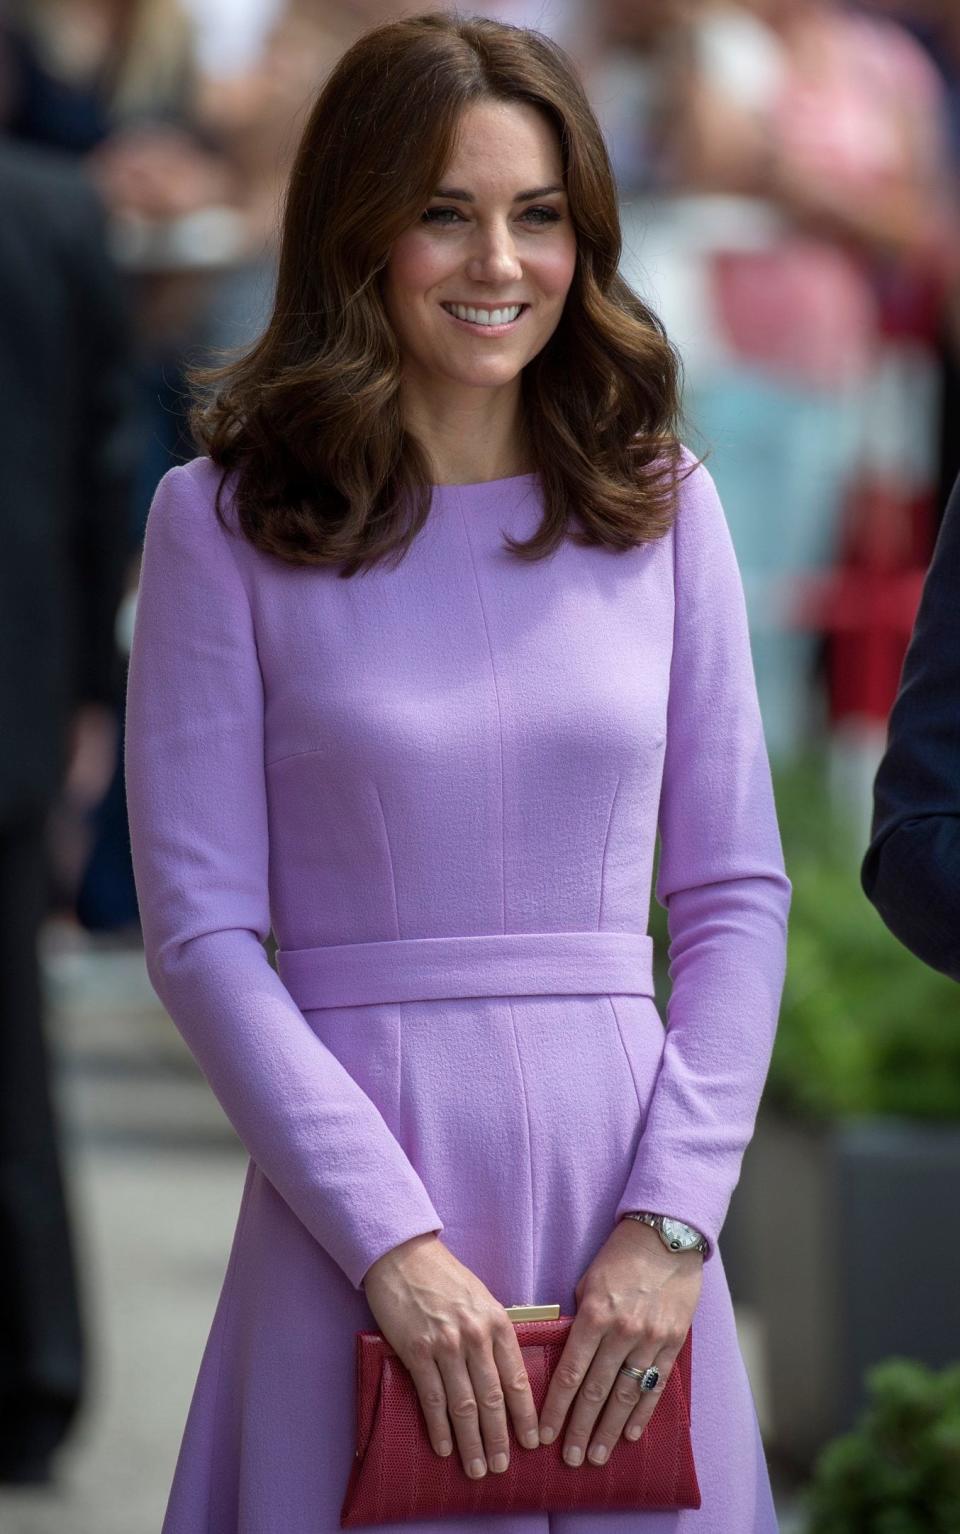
(898, 1471)
(865, 1028)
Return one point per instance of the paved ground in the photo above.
(155, 1174)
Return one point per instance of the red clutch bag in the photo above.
(397, 1474)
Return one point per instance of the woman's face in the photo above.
(496, 235)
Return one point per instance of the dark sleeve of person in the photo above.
(911, 871)
(109, 441)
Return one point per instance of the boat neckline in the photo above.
(488, 484)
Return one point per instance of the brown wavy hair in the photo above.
(309, 417)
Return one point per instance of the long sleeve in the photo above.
(911, 871)
(196, 793)
(721, 879)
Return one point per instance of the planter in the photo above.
(845, 1238)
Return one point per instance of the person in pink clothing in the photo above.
(439, 631)
(816, 135)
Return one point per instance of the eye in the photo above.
(538, 215)
(433, 215)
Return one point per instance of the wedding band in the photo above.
(649, 1378)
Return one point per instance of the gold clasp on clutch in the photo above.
(531, 1312)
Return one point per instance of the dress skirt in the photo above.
(486, 1095)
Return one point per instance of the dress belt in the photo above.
(488, 964)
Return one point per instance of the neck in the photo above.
(469, 434)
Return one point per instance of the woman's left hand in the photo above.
(635, 1304)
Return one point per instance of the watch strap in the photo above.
(646, 1217)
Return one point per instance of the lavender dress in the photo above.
(439, 785)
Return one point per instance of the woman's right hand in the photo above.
(461, 1348)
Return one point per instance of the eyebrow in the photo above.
(458, 194)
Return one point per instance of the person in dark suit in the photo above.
(911, 871)
(69, 442)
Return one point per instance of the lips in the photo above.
(508, 316)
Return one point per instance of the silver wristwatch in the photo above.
(673, 1233)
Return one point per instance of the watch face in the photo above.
(676, 1232)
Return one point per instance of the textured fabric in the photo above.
(463, 745)
(484, 964)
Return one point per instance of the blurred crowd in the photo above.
(788, 172)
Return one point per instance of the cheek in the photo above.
(415, 264)
(555, 269)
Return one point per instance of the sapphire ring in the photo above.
(649, 1378)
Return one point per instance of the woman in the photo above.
(466, 619)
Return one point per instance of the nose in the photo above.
(493, 257)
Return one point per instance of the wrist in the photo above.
(675, 1234)
(395, 1256)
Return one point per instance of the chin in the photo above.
(479, 378)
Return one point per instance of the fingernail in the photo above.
(598, 1454)
(573, 1456)
(477, 1467)
(499, 1462)
(633, 1433)
(444, 1446)
(531, 1438)
(547, 1434)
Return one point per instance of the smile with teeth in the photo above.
(503, 316)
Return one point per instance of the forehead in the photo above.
(505, 141)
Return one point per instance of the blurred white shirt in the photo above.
(231, 33)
